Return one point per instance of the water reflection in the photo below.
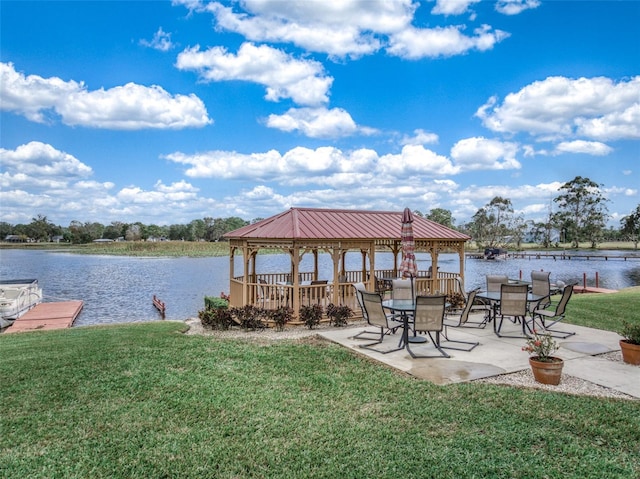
(120, 289)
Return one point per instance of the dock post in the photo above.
(159, 305)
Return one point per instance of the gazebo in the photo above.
(301, 231)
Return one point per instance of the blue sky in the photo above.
(166, 112)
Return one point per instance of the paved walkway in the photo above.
(495, 356)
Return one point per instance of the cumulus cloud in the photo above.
(594, 148)
(42, 160)
(174, 193)
(37, 178)
(559, 107)
(515, 7)
(161, 41)
(317, 122)
(339, 28)
(415, 43)
(283, 76)
(128, 107)
(420, 137)
(324, 165)
(452, 7)
(480, 153)
(350, 28)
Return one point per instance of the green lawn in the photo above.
(144, 401)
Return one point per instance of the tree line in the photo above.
(42, 230)
(580, 215)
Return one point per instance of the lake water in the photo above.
(118, 289)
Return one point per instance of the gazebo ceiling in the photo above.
(331, 224)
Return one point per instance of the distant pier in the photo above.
(561, 256)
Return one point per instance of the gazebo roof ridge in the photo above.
(299, 223)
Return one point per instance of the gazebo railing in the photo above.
(271, 291)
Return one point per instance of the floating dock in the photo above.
(43, 316)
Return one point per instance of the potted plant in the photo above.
(630, 344)
(546, 368)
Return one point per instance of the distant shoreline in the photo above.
(195, 249)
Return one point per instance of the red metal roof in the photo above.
(315, 223)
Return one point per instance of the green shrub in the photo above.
(339, 315)
(216, 318)
(311, 315)
(215, 302)
(281, 316)
(250, 317)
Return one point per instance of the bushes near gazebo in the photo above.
(217, 315)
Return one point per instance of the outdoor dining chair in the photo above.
(548, 317)
(428, 317)
(402, 289)
(513, 305)
(495, 282)
(377, 317)
(317, 293)
(477, 305)
(541, 286)
(460, 322)
(366, 334)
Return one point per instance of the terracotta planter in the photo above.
(630, 352)
(547, 372)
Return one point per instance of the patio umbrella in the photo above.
(408, 267)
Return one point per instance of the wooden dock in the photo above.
(588, 289)
(59, 315)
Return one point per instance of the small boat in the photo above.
(495, 253)
(17, 296)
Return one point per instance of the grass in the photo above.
(143, 400)
(605, 311)
(135, 248)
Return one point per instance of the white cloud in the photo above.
(161, 41)
(36, 178)
(128, 107)
(420, 137)
(594, 148)
(560, 107)
(325, 165)
(350, 28)
(452, 7)
(416, 159)
(42, 160)
(317, 122)
(480, 153)
(303, 81)
(338, 28)
(415, 43)
(515, 7)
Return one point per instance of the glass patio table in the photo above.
(493, 297)
(404, 307)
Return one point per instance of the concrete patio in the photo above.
(495, 356)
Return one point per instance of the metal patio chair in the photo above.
(549, 316)
(460, 322)
(541, 286)
(513, 305)
(377, 317)
(428, 317)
